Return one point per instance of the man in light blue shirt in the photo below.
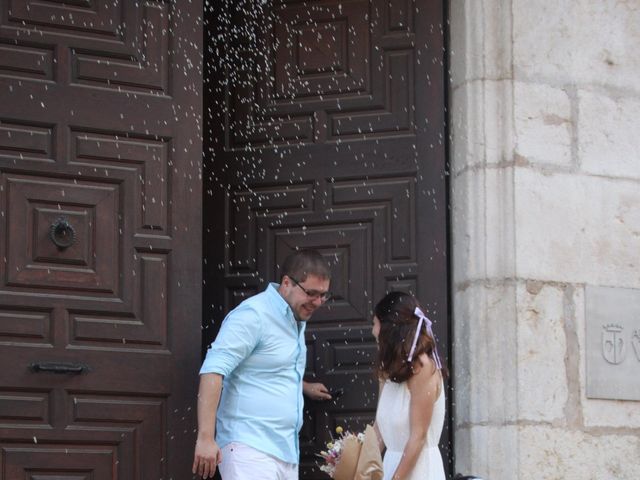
(250, 401)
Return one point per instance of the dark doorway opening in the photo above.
(325, 127)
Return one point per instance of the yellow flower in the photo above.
(339, 430)
(329, 445)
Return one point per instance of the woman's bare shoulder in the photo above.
(425, 375)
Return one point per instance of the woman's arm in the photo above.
(381, 444)
(424, 387)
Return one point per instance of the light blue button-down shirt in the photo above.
(261, 353)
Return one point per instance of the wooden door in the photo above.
(99, 238)
(325, 129)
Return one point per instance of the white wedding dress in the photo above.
(393, 422)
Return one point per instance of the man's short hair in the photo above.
(301, 263)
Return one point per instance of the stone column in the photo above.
(545, 188)
(483, 236)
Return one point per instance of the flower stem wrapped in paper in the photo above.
(370, 461)
(353, 456)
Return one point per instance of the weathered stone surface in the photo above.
(578, 42)
(481, 115)
(610, 413)
(485, 350)
(543, 124)
(482, 218)
(557, 454)
(489, 452)
(544, 118)
(480, 49)
(577, 228)
(608, 138)
(542, 376)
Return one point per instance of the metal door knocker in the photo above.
(62, 234)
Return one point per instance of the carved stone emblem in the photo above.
(613, 346)
(635, 341)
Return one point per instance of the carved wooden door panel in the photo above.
(326, 130)
(99, 238)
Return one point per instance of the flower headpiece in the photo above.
(423, 320)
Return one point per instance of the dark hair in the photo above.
(398, 324)
(305, 262)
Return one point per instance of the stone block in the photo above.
(556, 454)
(579, 42)
(577, 228)
(489, 452)
(543, 124)
(483, 225)
(542, 347)
(608, 141)
(481, 118)
(480, 36)
(467, 137)
(484, 350)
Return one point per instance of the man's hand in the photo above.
(316, 391)
(207, 455)
(206, 458)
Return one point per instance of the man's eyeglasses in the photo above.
(313, 294)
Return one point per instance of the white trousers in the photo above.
(242, 462)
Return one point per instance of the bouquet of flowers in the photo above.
(352, 456)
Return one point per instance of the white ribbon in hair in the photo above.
(423, 320)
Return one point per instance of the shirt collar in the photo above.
(278, 301)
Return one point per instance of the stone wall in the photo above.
(545, 188)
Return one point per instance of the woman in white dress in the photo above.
(410, 413)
